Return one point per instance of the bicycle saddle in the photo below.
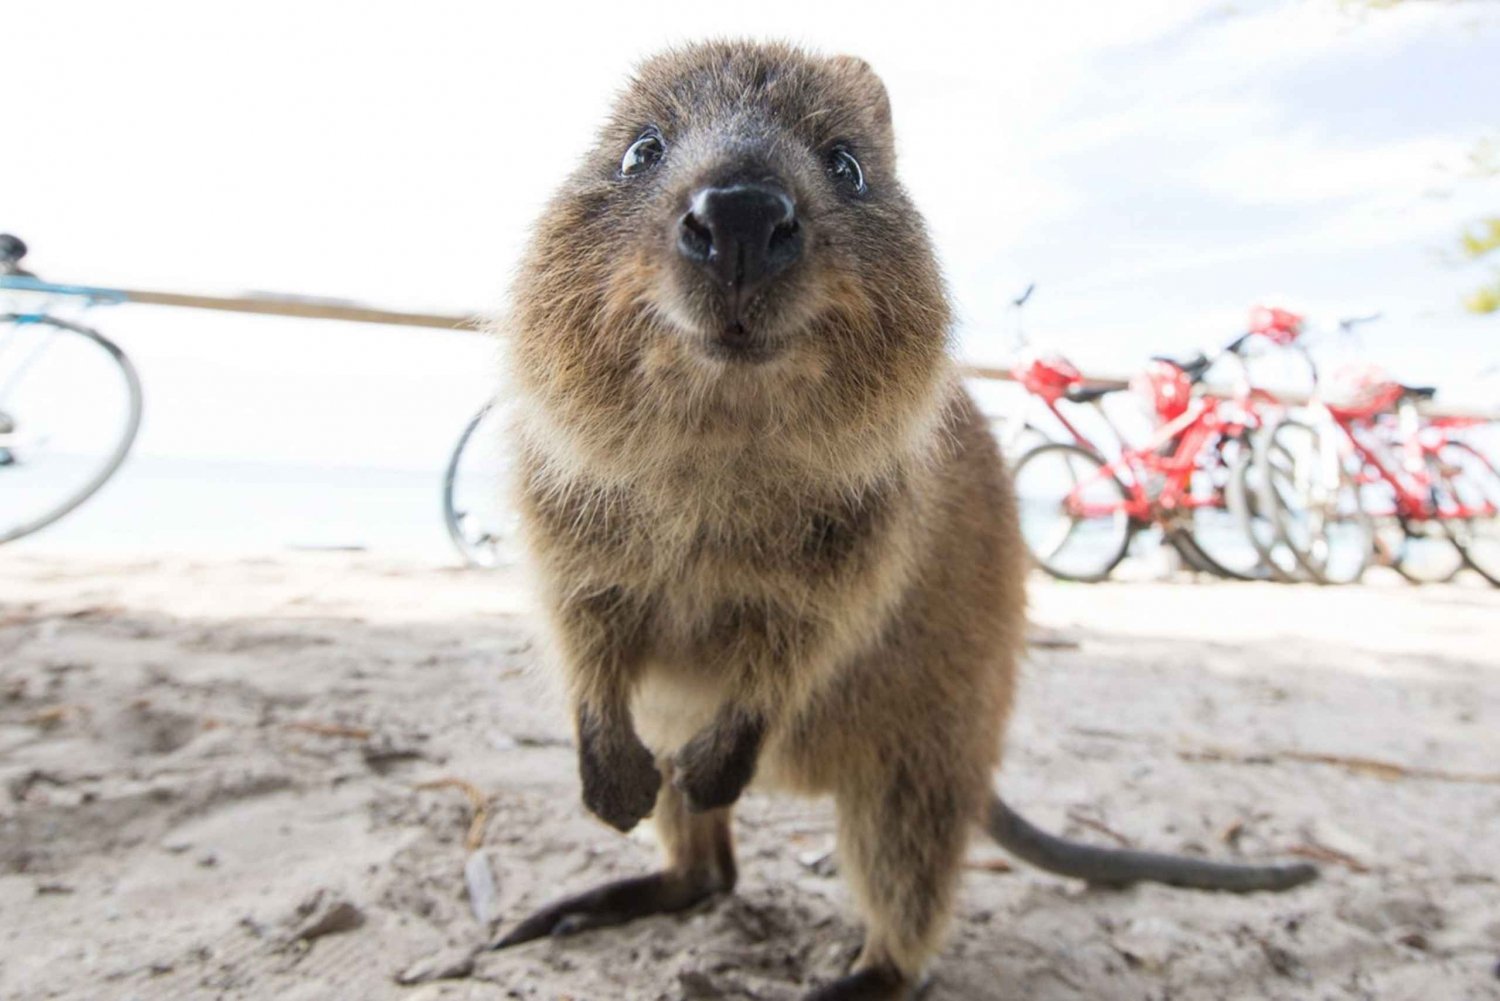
(12, 249)
(1419, 392)
(1193, 367)
(1087, 394)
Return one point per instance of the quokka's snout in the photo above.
(742, 236)
(741, 239)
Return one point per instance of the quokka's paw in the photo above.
(620, 781)
(713, 768)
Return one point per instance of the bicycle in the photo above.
(1324, 489)
(1070, 493)
(1437, 496)
(1265, 494)
(70, 402)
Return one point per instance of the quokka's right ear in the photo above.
(864, 78)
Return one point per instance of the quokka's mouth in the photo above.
(741, 343)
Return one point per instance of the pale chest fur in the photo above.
(744, 571)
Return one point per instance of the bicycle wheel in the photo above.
(1315, 503)
(1073, 517)
(1213, 534)
(70, 407)
(1469, 482)
(476, 511)
(1255, 511)
(1419, 549)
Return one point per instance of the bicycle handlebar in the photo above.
(12, 250)
(1348, 323)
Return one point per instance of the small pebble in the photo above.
(324, 913)
(450, 964)
(484, 898)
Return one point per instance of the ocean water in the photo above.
(197, 506)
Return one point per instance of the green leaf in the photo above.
(1478, 242)
(1484, 300)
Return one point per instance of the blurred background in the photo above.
(1155, 168)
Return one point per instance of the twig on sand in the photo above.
(1042, 638)
(331, 729)
(1389, 770)
(1099, 826)
(1322, 853)
(477, 800)
(52, 716)
(1233, 831)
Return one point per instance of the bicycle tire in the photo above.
(452, 518)
(1181, 541)
(122, 445)
(1112, 553)
(1420, 550)
(1191, 541)
(1403, 563)
(1255, 518)
(1314, 550)
(1476, 483)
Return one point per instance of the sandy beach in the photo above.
(318, 775)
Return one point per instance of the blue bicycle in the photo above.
(70, 400)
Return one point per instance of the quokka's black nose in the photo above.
(742, 235)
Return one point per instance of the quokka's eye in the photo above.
(846, 171)
(643, 154)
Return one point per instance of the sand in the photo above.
(256, 779)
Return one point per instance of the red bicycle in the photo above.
(1080, 509)
(1433, 496)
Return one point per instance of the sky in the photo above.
(1155, 167)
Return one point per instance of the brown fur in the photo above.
(826, 539)
(807, 566)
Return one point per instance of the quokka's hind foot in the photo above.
(614, 904)
(876, 983)
(700, 864)
(901, 848)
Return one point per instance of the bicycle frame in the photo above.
(1415, 495)
(92, 296)
(1190, 434)
(1051, 404)
(1192, 431)
(1412, 491)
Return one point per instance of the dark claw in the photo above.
(611, 904)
